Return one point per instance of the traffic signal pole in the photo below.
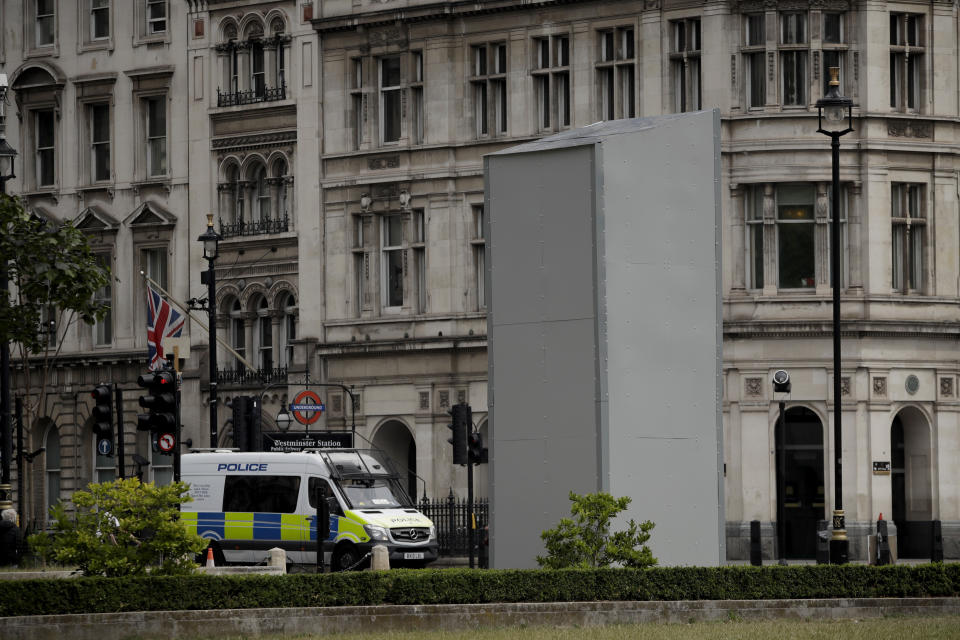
(470, 517)
(119, 411)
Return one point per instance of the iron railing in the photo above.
(254, 227)
(251, 96)
(242, 375)
(449, 516)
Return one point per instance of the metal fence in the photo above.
(449, 515)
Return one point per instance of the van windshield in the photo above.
(373, 493)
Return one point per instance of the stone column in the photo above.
(769, 241)
(821, 240)
(738, 255)
(854, 223)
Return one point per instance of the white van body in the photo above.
(248, 503)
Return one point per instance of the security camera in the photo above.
(781, 381)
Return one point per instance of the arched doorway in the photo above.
(800, 486)
(911, 483)
(395, 439)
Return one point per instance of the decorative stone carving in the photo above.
(845, 386)
(424, 400)
(383, 162)
(651, 5)
(880, 386)
(391, 35)
(946, 387)
(254, 141)
(461, 396)
(753, 387)
(444, 399)
(336, 403)
(912, 384)
(908, 129)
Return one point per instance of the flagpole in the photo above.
(202, 324)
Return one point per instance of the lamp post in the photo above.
(211, 240)
(7, 155)
(835, 119)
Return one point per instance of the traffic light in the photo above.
(161, 403)
(459, 426)
(103, 418)
(475, 447)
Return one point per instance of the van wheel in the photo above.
(344, 557)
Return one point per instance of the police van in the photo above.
(248, 503)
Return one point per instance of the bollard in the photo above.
(823, 542)
(381, 559)
(756, 550)
(278, 558)
(883, 542)
(936, 546)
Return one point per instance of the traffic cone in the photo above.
(210, 562)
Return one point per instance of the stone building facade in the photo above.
(339, 145)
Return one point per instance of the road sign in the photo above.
(306, 407)
(166, 442)
(298, 441)
(104, 446)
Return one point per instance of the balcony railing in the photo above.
(251, 96)
(254, 227)
(242, 375)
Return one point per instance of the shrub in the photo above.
(585, 541)
(122, 528)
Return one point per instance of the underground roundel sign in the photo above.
(307, 407)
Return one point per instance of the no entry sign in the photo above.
(306, 407)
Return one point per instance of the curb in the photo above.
(319, 621)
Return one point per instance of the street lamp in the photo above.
(211, 240)
(835, 119)
(283, 420)
(7, 154)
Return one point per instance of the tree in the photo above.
(585, 540)
(53, 277)
(123, 528)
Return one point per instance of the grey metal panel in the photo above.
(605, 348)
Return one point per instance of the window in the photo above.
(99, 142)
(156, 17)
(153, 261)
(288, 329)
(103, 329)
(237, 331)
(356, 98)
(797, 252)
(264, 336)
(261, 494)
(391, 93)
(793, 59)
(258, 74)
(161, 464)
(478, 243)
(52, 453)
(419, 248)
(909, 233)
(685, 63)
(834, 48)
(616, 83)
(551, 77)
(392, 260)
(360, 262)
(155, 109)
(46, 27)
(416, 97)
(754, 55)
(45, 150)
(99, 19)
(906, 61)
(489, 82)
(280, 181)
(261, 194)
(320, 485)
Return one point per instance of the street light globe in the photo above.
(835, 114)
(283, 420)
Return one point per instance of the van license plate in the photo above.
(418, 555)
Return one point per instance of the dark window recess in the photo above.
(324, 486)
(261, 494)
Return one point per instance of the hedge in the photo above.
(457, 586)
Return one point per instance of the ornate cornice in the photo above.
(254, 141)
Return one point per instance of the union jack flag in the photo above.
(162, 322)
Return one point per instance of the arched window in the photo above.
(277, 28)
(231, 199)
(265, 330)
(288, 329)
(261, 194)
(237, 336)
(52, 445)
(279, 178)
(258, 72)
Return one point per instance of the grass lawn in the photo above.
(870, 629)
